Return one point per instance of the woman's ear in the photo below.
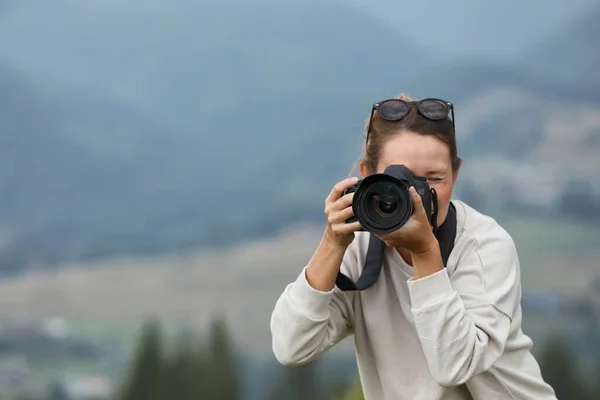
(364, 170)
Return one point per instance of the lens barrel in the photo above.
(382, 203)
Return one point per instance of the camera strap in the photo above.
(445, 234)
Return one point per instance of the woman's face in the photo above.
(424, 155)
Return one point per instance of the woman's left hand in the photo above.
(416, 235)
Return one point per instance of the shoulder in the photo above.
(484, 246)
(486, 259)
(480, 229)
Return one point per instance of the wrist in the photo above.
(427, 262)
(429, 246)
(324, 266)
(332, 244)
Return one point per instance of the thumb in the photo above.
(417, 202)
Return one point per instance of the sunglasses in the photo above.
(395, 110)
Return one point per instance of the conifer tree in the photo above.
(182, 376)
(297, 383)
(559, 369)
(596, 380)
(144, 378)
(223, 381)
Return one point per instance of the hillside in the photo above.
(56, 180)
(207, 123)
(570, 54)
(212, 113)
(191, 60)
(504, 30)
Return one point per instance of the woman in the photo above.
(423, 330)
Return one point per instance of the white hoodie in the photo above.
(455, 334)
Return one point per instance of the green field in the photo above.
(553, 237)
(555, 254)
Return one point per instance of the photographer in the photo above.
(442, 320)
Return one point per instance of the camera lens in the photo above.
(386, 205)
(382, 203)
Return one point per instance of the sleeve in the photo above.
(306, 322)
(463, 321)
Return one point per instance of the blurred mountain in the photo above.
(156, 132)
(141, 127)
(57, 180)
(500, 31)
(571, 53)
(186, 60)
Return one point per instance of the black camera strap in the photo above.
(445, 234)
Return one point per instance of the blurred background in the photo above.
(163, 168)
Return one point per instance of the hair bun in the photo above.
(404, 97)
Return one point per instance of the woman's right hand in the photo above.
(338, 209)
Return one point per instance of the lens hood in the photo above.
(382, 203)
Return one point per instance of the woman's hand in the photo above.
(416, 235)
(324, 266)
(338, 209)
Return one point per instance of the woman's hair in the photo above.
(382, 131)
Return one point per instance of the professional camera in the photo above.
(382, 202)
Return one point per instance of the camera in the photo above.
(382, 202)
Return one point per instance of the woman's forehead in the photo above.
(422, 154)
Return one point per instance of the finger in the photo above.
(339, 188)
(343, 202)
(384, 239)
(417, 202)
(341, 216)
(345, 229)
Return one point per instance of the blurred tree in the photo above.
(183, 375)
(297, 383)
(144, 378)
(196, 370)
(189, 372)
(56, 391)
(222, 377)
(596, 379)
(354, 392)
(560, 370)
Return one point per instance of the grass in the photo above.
(555, 254)
(553, 237)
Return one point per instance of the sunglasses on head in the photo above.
(396, 109)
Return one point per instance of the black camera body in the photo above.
(382, 202)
